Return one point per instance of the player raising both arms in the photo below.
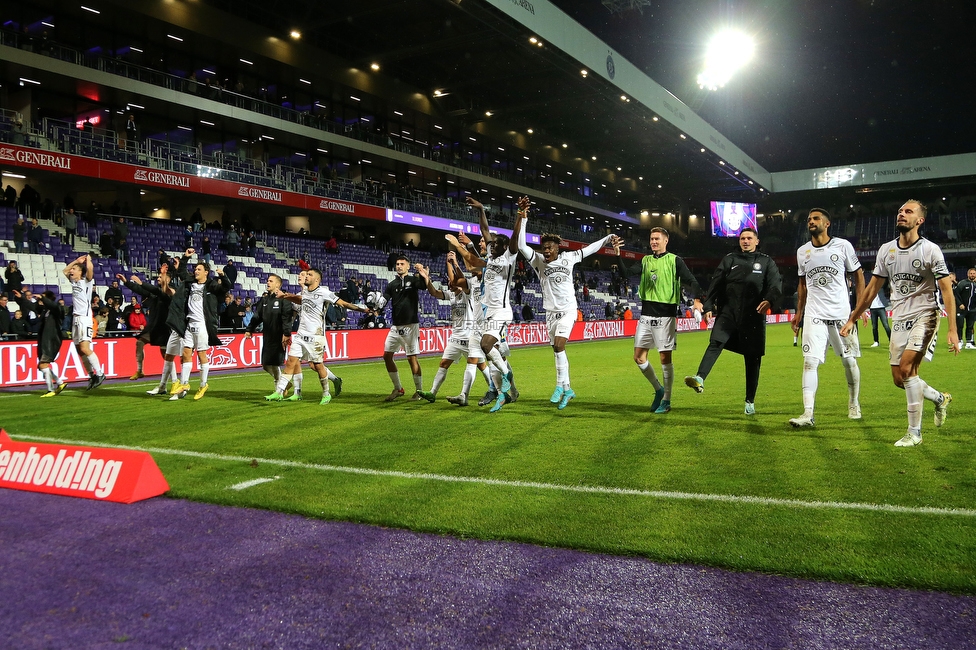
(81, 274)
(308, 343)
(497, 281)
(460, 345)
(555, 271)
(915, 266)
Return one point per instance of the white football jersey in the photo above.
(825, 269)
(313, 308)
(556, 278)
(81, 295)
(497, 279)
(194, 310)
(461, 320)
(475, 304)
(913, 273)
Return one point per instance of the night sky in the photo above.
(832, 82)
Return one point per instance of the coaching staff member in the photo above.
(744, 286)
(277, 314)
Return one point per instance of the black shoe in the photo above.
(96, 381)
(489, 397)
(336, 387)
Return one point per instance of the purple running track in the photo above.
(168, 573)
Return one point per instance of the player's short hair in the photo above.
(276, 277)
(661, 230)
(921, 206)
(315, 271)
(501, 240)
(49, 295)
(826, 215)
(403, 257)
(205, 266)
(550, 237)
(750, 229)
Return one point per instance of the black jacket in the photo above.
(277, 315)
(51, 314)
(213, 294)
(157, 304)
(739, 284)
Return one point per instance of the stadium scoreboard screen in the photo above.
(729, 218)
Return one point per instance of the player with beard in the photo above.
(555, 271)
(824, 265)
(916, 268)
(277, 315)
(308, 343)
(403, 293)
(81, 274)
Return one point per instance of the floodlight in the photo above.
(727, 53)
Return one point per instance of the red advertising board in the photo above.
(101, 473)
(18, 360)
(23, 157)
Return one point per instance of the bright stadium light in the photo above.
(727, 53)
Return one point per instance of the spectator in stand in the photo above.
(4, 315)
(18, 325)
(237, 310)
(136, 320)
(131, 307)
(232, 240)
(70, 226)
(252, 244)
(20, 234)
(607, 311)
(188, 236)
(130, 133)
(35, 237)
(10, 196)
(91, 218)
(13, 277)
(248, 316)
(196, 220)
(113, 315)
(114, 293)
(230, 271)
(586, 293)
(206, 252)
(527, 314)
(101, 322)
(120, 232)
(224, 313)
(519, 289)
(122, 252)
(332, 246)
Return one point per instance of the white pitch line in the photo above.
(251, 483)
(587, 489)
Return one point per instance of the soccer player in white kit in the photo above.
(81, 274)
(555, 271)
(461, 345)
(308, 343)
(823, 306)
(497, 283)
(916, 267)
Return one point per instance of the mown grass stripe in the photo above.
(587, 489)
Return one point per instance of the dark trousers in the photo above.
(753, 365)
(69, 236)
(969, 319)
(881, 314)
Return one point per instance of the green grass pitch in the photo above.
(528, 461)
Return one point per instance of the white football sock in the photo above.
(913, 392)
(809, 382)
(648, 370)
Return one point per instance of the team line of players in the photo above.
(185, 297)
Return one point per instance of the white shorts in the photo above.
(819, 333)
(307, 348)
(194, 338)
(656, 333)
(457, 349)
(403, 336)
(82, 329)
(917, 334)
(474, 346)
(497, 321)
(560, 323)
